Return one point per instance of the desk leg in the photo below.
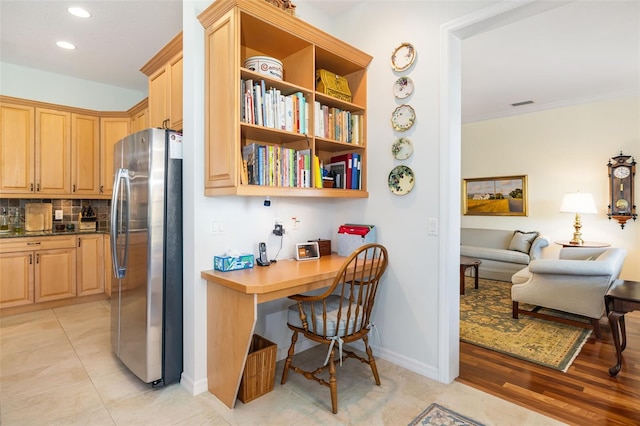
(614, 322)
(231, 318)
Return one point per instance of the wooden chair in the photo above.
(342, 314)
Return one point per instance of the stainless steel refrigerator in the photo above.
(146, 249)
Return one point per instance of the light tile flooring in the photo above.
(56, 368)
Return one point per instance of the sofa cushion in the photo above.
(521, 241)
(500, 255)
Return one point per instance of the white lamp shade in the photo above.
(578, 202)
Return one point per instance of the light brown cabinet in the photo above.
(112, 129)
(53, 152)
(90, 264)
(85, 154)
(140, 119)
(37, 269)
(17, 148)
(165, 86)
(238, 29)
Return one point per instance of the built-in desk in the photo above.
(232, 300)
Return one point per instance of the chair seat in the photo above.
(333, 306)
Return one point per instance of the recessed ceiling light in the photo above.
(79, 12)
(66, 45)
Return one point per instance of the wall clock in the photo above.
(622, 171)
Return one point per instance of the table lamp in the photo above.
(578, 202)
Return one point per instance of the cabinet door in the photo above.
(55, 274)
(139, 121)
(90, 265)
(111, 131)
(158, 98)
(17, 149)
(85, 155)
(175, 92)
(16, 279)
(53, 152)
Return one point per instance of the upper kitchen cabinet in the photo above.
(17, 148)
(85, 154)
(165, 86)
(255, 146)
(139, 116)
(112, 129)
(53, 152)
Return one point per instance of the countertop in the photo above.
(50, 233)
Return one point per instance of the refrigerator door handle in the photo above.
(119, 269)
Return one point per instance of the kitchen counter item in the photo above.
(38, 216)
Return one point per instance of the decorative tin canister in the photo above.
(265, 65)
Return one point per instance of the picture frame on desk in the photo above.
(338, 169)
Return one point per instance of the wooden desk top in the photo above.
(282, 275)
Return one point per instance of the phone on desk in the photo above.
(262, 255)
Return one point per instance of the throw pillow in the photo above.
(521, 241)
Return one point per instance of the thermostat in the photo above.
(307, 251)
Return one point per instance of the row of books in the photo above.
(270, 108)
(340, 125)
(346, 170)
(273, 165)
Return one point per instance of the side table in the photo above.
(621, 297)
(586, 244)
(465, 263)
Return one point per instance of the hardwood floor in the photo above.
(584, 395)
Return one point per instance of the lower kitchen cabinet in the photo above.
(55, 273)
(16, 279)
(90, 264)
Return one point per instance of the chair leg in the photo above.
(596, 328)
(287, 363)
(372, 361)
(514, 310)
(333, 383)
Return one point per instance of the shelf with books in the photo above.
(239, 29)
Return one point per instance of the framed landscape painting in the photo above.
(495, 196)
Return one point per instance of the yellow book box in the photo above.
(333, 85)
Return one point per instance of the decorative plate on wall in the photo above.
(401, 180)
(403, 87)
(403, 57)
(402, 149)
(403, 118)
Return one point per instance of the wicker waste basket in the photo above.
(259, 371)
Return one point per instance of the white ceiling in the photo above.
(580, 51)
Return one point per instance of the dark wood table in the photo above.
(467, 262)
(585, 244)
(622, 297)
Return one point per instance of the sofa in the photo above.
(502, 252)
(576, 283)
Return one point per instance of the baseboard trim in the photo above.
(194, 387)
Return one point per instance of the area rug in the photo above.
(437, 415)
(485, 320)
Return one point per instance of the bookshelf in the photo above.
(238, 29)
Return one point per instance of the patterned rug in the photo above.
(485, 320)
(437, 415)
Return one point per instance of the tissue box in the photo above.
(232, 263)
(350, 237)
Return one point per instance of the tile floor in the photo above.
(56, 368)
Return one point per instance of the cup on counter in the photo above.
(70, 226)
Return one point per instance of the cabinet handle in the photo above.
(79, 242)
(74, 187)
(34, 244)
(37, 187)
(37, 258)
(30, 259)
(102, 189)
(32, 187)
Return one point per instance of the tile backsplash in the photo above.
(70, 209)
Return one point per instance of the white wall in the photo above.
(29, 83)
(560, 150)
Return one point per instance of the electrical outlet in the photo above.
(295, 223)
(278, 230)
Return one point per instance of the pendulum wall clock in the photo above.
(622, 171)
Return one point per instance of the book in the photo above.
(250, 157)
